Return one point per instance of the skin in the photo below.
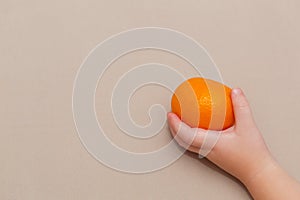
(242, 152)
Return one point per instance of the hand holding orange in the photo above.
(203, 103)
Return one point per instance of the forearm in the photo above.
(273, 183)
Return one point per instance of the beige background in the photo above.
(255, 44)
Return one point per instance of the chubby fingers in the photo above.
(185, 145)
(184, 134)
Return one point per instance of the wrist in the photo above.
(261, 170)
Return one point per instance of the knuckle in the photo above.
(243, 105)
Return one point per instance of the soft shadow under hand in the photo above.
(211, 165)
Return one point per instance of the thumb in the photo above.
(242, 110)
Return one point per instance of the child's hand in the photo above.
(241, 151)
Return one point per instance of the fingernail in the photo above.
(170, 118)
(236, 91)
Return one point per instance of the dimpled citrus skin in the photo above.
(203, 103)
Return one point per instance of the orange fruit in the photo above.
(203, 103)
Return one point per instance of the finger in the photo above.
(183, 144)
(188, 135)
(180, 141)
(242, 110)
